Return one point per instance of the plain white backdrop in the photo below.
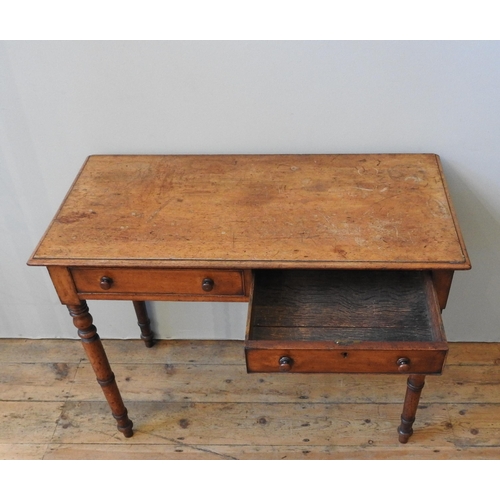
(61, 101)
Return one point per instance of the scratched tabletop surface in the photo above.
(257, 211)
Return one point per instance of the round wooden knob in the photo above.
(403, 365)
(285, 363)
(207, 284)
(106, 283)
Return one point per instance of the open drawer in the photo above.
(343, 321)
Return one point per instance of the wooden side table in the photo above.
(346, 260)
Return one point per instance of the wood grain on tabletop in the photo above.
(248, 211)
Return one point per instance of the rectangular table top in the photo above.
(387, 211)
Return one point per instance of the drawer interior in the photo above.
(364, 315)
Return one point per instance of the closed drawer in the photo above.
(178, 283)
(344, 322)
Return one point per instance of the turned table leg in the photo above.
(99, 361)
(144, 323)
(415, 385)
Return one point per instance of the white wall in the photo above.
(61, 101)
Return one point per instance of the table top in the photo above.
(388, 211)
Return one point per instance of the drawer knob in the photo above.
(285, 363)
(106, 283)
(207, 284)
(403, 365)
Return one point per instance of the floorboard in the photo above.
(193, 400)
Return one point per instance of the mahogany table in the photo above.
(346, 260)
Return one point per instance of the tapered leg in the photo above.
(415, 385)
(99, 361)
(144, 323)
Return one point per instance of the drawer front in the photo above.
(326, 360)
(150, 282)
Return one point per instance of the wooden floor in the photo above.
(194, 400)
